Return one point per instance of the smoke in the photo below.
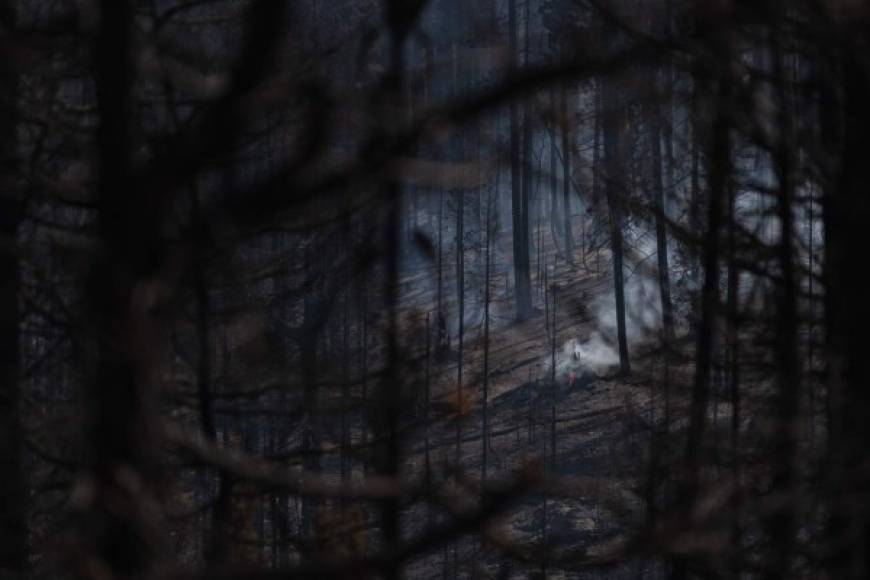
(598, 351)
(596, 354)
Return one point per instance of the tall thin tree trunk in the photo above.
(13, 554)
(781, 526)
(484, 437)
(460, 269)
(216, 546)
(661, 220)
(567, 146)
(527, 142)
(460, 292)
(554, 178)
(695, 194)
(719, 168)
(551, 463)
(427, 402)
(733, 314)
(709, 19)
(443, 344)
(309, 341)
(846, 213)
(128, 336)
(389, 460)
(365, 415)
(614, 158)
(522, 284)
(344, 438)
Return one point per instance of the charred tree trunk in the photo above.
(389, 403)
(613, 127)
(846, 215)
(719, 174)
(124, 307)
(215, 538)
(365, 415)
(427, 417)
(710, 19)
(308, 351)
(528, 172)
(13, 554)
(344, 437)
(661, 219)
(522, 282)
(484, 437)
(733, 369)
(566, 175)
(781, 526)
(554, 178)
(443, 344)
(460, 293)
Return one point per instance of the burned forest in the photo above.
(436, 289)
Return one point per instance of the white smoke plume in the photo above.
(598, 351)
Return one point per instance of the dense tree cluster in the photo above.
(434, 288)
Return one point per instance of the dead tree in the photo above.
(846, 215)
(715, 21)
(126, 298)
(655, 142)
(613, 128)
(519, 194)
(13, 555)
(567, 147)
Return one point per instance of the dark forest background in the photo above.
(434, 289)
